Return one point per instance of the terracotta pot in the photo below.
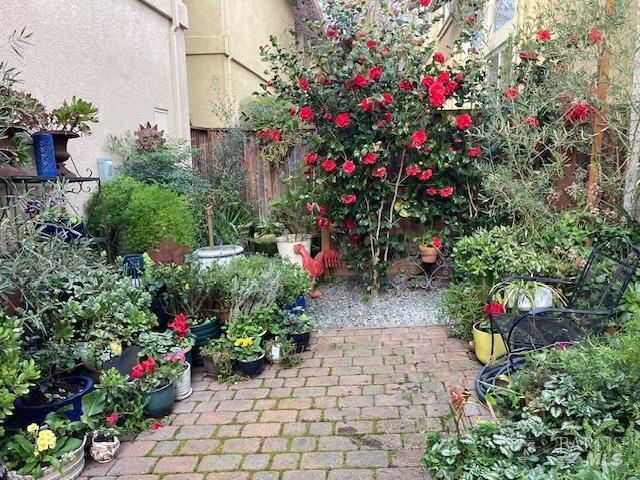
(6, 143)
(7, 170)
(60, 139)
(428, 254)
(104, 451)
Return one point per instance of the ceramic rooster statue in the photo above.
(315, 266)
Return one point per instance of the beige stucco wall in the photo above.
(122, 55)
(223, 60)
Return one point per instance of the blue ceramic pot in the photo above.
(44, 154)
(204, 334)
(299, 307)
(159, 403)
(300, 340)
(26, 413)
(251, 368)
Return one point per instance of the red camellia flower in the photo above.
(437, 94)
(446, 192)
(425, 3)
(532, 121)
(511, 93)
(310, 158)
(474, 151)
(418, 138)
(444, 76)
(276, 135)
(595, 35)
(306, 114)
(413, 171)
(451, 87)
(436, 242)
(388, 116)
(493, 308)
(578, 113)
(350, 224)
(349, 167)
(112, 419)
(464, 121)
(387, 98)
(405, 85)
(343, 119)
(331, 32)
(432, 192)
(349, 199)
(375, 73)
(426, 175)
(328, 165)
(366, 104)
(439, 57)
(372, 44)
(303, 83)
(360, 81)
(544, 35)
(370, 158)
(427, 81)
(380, 172)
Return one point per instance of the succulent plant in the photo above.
(149, 138)
(74, 116)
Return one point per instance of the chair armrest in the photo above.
(566, 310)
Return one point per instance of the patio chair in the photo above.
(592, 301)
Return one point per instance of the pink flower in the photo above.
(418, 138)
(432, 192)
(446, 192)
(375, 73)
(380, 172)
(309, 207)
(306, 114)
(328, 165)
(310, 158)
(369, 158)
(464, 121)
(349, 167)
(439, 57)
(349, 199)
(544, 35)
(303, 83)
(532, 121)
(511, 93)
(595, 36)
(474, 151)
(343, 119)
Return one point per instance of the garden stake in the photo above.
(209, 210)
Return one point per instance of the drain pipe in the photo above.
(176, 80)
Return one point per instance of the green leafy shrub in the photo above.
(461, 307)
(295, 282)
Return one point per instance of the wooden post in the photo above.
(209, 209)
(600, 118)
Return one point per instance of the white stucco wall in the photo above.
(125, 56)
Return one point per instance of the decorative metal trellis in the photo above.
(417, 274)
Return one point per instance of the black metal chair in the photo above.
(592, 301)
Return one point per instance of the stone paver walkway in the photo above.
(355, 409)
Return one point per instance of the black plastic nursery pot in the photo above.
(159, 403)
(300, 340)
(204, 334)
(251, 368)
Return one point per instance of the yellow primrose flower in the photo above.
(247, 342)
(238, 342)
(116, 347)
(46, 439)
(33, 428)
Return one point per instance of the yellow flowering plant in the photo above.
(247, 349)
(32, 451)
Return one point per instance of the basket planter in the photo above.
(27, 413)
(72, 466)
(252, 367)
(183, 384)
(159, 403)
(104, 451)
(428, 254)
(210, 363)
(286, 244)
(204, 334)
(300, 340)
(483, 342)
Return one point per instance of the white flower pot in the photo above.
(183, 384)
(220, 254)
(104, 452)
(542, 299)
(72, 466)
(287, 242)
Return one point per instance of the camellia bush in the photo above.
(387, 118)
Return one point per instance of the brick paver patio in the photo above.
(354, 409)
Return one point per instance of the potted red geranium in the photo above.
(154, 383)
(429, 245)
(487, 343)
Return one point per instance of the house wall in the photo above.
(127, 57)
(223, 58)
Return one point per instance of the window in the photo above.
(496, 60)
(504, 13)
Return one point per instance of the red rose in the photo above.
(306, 114)
(532, 121)
(360, 81)
(544, 35)
(437, 94)
(380, 172)
(432, 192)
(350, 224)
(387, 98)
(493, 308)
(343, 119)
(369, 158)
(413, 171)
(425, 3)
(427, 81)
(436, 242)
(372, 44)
(451, 87)
(595, 35)
(328, 165)
(303, 83)
(439, 57)
(349, 167)
(446, 192)
(349, 199)
(331, 32)
(418, 138)
(366, 104)
(510, 93)
(405, 85)
(112, 419)
(464, 121)
(375, 73)
(474, 151)
(310, 158)
(426, 175)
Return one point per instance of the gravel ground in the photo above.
(344, 303)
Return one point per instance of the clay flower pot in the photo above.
(428, 254)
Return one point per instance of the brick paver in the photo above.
(354, 409)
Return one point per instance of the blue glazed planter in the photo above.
(44, 154)
(204, 334)
(27, 414)
(159, 403)
(251, 368)
(299, 307)
(300, 340)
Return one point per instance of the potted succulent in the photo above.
(40, 453)
(155, 385)
(176, 361)
(298, 325)
(249, 355)
(488, 344)
(429, 244)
